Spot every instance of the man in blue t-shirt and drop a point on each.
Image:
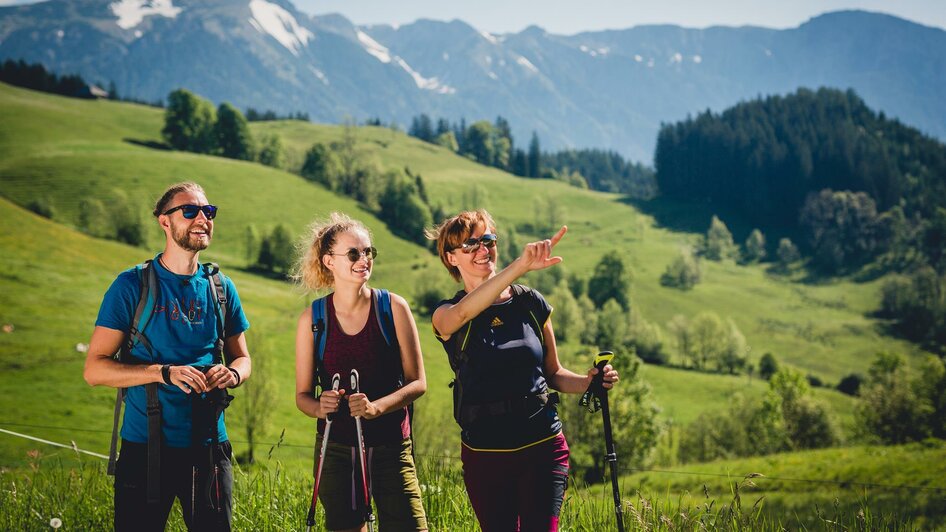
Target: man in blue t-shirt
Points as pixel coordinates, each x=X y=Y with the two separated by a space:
x=177 y=357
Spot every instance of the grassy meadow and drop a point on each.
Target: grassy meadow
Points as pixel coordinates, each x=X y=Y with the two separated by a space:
x=52 y=278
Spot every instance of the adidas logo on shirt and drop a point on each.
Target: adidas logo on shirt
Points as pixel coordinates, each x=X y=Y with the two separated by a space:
x=496 y=322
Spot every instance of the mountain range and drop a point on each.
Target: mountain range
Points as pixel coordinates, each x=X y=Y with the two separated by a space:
x=604 y=89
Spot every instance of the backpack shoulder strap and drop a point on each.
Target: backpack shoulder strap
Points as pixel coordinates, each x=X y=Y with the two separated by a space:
x=385 y=315
x=525 y=297
x=147 y=287
x=220 y=303
x=458 y=356
x=319 y=334
x=147 y=290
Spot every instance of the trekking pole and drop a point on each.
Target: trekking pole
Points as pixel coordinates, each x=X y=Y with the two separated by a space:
x=310 y=519
x=355 y=388
x=595 y=397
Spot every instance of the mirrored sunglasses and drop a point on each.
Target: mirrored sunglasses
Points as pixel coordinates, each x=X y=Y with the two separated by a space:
x=190 y=211
x=472 y=245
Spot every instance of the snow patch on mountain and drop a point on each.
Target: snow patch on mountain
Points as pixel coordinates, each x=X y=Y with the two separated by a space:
x=595 y=52
x=271 y=19
x=527 y=64
x=130 y=13
x=430 y=84
x=374 y=48
x=319 y=74
x=489 y=37
x=382 y=53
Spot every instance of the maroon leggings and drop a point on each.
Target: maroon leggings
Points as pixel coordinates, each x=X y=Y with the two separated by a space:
x=517 y=490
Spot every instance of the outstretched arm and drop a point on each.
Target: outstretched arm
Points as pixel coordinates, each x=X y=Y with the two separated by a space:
x=448 y=319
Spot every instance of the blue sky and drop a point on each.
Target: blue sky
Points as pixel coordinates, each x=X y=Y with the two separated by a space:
x=570 y=16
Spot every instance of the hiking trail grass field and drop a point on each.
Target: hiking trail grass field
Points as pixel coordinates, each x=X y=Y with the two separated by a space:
x=52 y=277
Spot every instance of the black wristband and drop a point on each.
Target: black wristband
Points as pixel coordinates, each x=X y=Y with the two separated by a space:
x=237 y=375
x=166 y=374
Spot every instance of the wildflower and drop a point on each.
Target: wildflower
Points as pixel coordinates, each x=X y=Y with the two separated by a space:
x=55 y=522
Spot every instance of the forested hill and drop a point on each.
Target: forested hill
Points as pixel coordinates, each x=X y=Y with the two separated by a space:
x=763 y=158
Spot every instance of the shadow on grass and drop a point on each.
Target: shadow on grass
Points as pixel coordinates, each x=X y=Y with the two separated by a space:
x=152 y=144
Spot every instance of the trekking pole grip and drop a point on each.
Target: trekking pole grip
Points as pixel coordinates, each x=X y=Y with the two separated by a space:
x=596 y=391
x=601 y=360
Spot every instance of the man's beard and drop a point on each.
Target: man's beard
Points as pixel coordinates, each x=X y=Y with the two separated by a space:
x=184 y=239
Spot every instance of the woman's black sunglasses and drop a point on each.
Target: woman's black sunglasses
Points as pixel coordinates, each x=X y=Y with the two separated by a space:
x=190 y=211
x=472 y=245
x=353 y=254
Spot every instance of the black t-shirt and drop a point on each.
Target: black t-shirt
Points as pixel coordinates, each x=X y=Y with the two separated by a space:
x=506 y=360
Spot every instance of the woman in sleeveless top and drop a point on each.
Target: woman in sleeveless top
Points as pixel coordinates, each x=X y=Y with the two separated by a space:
x=339 y=255
x=499 y=338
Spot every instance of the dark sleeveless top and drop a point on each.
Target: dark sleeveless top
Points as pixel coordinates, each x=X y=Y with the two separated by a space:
x=506 y=360
x=379 y=368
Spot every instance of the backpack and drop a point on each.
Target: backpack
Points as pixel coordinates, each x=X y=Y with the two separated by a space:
x=144 y=310
x=524 y=297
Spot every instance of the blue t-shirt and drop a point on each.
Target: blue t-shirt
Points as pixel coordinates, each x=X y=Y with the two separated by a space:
x=506 y=361
x=182 y=331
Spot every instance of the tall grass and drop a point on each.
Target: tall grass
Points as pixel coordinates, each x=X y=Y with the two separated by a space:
x=267 y=497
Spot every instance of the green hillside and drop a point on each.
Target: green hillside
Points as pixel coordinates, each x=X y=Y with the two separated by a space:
x=898 y=480
x=63 y=150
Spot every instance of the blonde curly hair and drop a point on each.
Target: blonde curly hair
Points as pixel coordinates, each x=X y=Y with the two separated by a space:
x=310 y=272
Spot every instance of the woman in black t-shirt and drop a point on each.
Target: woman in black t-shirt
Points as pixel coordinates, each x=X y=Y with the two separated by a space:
x=501 y=345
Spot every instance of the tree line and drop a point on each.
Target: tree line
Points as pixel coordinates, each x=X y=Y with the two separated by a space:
x=859 y=191
x=253 y=115
x=856 y=184
x=36 y=77
x=191 y=123
x=492 y=144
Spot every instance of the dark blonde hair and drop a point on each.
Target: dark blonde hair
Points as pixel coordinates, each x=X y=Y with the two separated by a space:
x=310 y=272
x=174 y=190
x=453 y=231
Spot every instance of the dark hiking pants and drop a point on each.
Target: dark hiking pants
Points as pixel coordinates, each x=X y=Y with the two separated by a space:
x=205 y=490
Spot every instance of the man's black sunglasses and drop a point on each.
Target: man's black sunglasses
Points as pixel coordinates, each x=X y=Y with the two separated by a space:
x=190 y=211
x=353 y=254
x=472 y=245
